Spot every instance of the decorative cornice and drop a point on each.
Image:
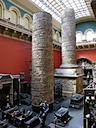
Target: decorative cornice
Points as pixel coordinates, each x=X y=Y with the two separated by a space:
x=17 y=5
x=18 y=32
x=55 y=47
x=87 y=45
x=13 y=31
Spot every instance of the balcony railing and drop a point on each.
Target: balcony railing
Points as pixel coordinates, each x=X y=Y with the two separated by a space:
x=86 y=45
x=16 y=27
x=85 y=42
x=56 y=42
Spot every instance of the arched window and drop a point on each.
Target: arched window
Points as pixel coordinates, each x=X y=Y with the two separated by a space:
x=60 y=40
x=1 y=9
x=58 y=35
x=55 y=36
x=78 y=37
x=27 y=21
x=14 y=17
x=94 y=36
x=89 y=35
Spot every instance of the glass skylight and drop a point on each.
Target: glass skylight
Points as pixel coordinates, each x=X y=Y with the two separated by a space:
x=82 y=8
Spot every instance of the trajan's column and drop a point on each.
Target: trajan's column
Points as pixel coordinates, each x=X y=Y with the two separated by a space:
x=69 y=72
x=42 y=60
x=68 y=38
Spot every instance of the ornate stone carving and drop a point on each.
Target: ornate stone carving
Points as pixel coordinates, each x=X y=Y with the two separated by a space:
x=42 y=59
x=68 y=37
x=69 y=72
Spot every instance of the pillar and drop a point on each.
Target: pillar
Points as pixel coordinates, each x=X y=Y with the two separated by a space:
x=94 y=74
x=68 y=37
x=42 y=60
x=72 y=80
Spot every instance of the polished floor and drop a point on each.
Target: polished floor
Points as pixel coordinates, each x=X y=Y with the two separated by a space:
x=77 y=114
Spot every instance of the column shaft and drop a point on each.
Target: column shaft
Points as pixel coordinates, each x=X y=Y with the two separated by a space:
x=42 y=59
x=72 y=81
x=68 y=37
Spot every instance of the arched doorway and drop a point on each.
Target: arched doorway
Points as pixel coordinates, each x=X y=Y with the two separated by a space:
x=86 y=65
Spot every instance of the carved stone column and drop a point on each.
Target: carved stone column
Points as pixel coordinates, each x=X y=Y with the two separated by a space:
x=68 y=38
x=42 y=60
x=94 y=74
x=72 y=83
x=69 y=73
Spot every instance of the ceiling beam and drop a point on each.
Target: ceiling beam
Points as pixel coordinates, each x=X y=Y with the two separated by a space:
x=93 y=5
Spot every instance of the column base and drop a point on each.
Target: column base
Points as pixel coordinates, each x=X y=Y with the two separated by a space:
x=67 y=93
x=37 y=108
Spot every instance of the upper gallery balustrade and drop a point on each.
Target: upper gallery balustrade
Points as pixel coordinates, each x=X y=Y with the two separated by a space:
x=6 y=23
x=56 y=37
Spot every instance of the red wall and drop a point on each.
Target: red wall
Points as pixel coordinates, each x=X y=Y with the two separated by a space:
x=15 y=57
x=57 y=58
x=88 y=54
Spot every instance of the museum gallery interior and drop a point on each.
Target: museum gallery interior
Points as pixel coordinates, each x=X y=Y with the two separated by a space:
x=47 y=63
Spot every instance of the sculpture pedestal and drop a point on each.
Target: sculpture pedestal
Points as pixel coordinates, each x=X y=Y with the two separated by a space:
x=71 y=78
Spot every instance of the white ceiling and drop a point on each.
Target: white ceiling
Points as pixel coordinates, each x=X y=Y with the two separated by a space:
x=82 y=8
